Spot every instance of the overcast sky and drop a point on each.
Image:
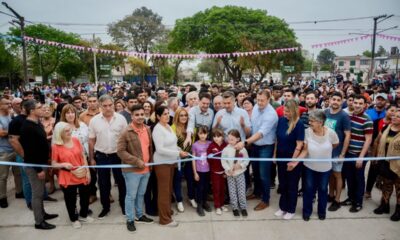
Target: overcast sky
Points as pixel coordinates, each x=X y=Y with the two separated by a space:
x=106 y=11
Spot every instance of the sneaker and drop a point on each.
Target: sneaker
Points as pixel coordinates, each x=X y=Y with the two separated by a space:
x=103 y=213
x=200 y=211
x=244 y=213
x=144 y=219
x=355 y=208
x=224 y=209
x=206 y=207
x=306 y=218
x=218 y=211
x=279 y=213
x=180 y=207
x=193 y=203
x=86 y=219
x=3 y=203
x=76 y=224
x=236 y=213
x=130 y=225
x=171 y=224
x=288 y=216
x=346 y=202
x=334 y=206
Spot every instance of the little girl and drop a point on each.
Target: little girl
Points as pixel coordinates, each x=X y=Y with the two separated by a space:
x=216 y=170
x=234 y=169
x=201 y=170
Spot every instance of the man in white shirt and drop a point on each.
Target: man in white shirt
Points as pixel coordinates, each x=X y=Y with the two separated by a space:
x=104 y=131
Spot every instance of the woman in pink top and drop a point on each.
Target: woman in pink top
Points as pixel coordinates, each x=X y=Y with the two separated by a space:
x=67 y=154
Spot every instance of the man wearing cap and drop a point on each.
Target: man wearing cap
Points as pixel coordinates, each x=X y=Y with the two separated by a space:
x=376 y=114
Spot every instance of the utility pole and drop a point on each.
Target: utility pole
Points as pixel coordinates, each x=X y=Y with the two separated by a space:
x=372 y=70
x=94 y=61
x=21 y=23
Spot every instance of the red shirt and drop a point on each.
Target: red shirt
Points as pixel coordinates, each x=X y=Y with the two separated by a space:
x=74 y=155
x=215 y=164
x=280 y=110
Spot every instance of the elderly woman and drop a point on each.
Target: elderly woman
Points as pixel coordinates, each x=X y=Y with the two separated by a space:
x=318 y=144
x=167 y=149
x=67 y=155
x=388 y=142
x=289 y=143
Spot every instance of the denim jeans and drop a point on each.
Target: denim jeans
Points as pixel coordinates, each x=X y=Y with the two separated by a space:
x=188 y=172
x=177 y=185
x=315 y=181
x=136 y=185
x=355 y=180
x=26 y=186
x=264 y=169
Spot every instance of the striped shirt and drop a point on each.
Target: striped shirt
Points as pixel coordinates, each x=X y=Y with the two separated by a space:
x=361 y=124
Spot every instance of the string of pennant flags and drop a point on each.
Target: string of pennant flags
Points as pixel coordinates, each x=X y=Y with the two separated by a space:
x=158 y=55
x=355 y=39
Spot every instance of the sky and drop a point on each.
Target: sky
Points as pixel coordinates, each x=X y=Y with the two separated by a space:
x=103 y=12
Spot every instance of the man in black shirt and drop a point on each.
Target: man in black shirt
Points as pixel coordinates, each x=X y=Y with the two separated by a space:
x=36 y=150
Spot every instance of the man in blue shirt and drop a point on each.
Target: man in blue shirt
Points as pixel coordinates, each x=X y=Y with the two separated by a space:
x=264 y=121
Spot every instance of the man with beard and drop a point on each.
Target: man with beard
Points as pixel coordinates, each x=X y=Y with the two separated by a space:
x=311 y=104
x=339 y=121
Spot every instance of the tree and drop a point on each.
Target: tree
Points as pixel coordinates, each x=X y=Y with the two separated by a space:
x=44 y=59
x=139 y=31
x=381 y=52
x=10 y=65
x=70 y=69
x=367 y=53
x=234 y=29
x=326 y=57
x=214 y=68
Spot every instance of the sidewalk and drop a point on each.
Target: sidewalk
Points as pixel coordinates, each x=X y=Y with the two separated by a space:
x=16 y=222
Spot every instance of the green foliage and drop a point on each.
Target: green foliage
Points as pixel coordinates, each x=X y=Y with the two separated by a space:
x=367 y=53
x=213 y=67
x=235 y=29
x=381 y=52
x=139 y=31
x=70 y=69
x=326 y=57
x=43 y=59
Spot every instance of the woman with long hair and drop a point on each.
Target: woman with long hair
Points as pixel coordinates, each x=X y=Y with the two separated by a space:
x=179 y=126
x=289 y=144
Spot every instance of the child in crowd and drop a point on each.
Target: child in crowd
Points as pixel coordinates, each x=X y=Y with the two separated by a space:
x=201 y=170
x=216 y=170
x=234 y=169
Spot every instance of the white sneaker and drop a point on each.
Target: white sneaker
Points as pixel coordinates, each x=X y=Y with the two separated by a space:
x=193 y=202
x=180 y=207
x=288 y=216
x=86 y=219
x=76 y=224
x=279 y=213
x=171 y=224
x=218 y=211
x=224 y=209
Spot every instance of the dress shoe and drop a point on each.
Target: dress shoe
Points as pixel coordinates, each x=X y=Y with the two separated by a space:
x=207 y=207
x=19 y=195
x=50 y=199
x=49 y=216
x=261 y=206
x=3 y=203
x=44 y=226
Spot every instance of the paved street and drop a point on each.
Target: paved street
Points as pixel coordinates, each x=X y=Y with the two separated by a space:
x=16 y=222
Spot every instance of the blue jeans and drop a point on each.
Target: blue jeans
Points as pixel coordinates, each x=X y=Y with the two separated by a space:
x=188 y=172
x=315 y=181
x=136 y=185
x=264 y=169
x=177 y=185
x=355 y=180
x=26 y=186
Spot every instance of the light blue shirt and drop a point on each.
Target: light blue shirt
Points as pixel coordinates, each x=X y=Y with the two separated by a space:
x=232 y=121
x=265 y=122
x=197 y=118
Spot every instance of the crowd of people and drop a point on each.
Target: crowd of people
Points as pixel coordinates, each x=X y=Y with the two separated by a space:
x=204 y=138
